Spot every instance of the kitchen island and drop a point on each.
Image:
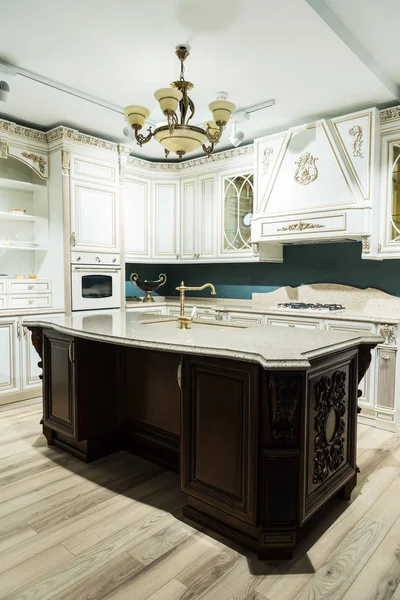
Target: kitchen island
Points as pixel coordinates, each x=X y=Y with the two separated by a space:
x=260 y=423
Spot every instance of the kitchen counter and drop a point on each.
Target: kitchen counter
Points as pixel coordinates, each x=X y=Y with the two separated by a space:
x=259 y=422
x=270 y=348
x=371 y=314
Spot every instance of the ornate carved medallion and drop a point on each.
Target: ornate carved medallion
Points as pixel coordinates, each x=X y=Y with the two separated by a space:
x=306 y=171
x=65 y=162
x=357 y=133
x=329 y=425
x=285 y=394
x=266 y=161
x=387 y=331
x=3 y=149
x=366 y=244
x=36 y=159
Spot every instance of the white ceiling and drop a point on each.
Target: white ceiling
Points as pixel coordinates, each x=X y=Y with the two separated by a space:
x=122 y=51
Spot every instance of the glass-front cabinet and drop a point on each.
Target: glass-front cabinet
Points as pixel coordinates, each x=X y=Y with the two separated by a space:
x=237 y=208
x=395 y=172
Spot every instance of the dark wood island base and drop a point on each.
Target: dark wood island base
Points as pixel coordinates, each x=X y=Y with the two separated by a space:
x=259 y=451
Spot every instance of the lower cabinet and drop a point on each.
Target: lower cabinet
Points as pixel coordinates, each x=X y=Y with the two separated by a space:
x=9 y=357
x=220 y=470
x=290 y=322
x=247 y=318
x=60 y=401
x=19 y=370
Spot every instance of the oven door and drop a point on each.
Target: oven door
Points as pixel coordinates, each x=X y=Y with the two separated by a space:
x=95 y=287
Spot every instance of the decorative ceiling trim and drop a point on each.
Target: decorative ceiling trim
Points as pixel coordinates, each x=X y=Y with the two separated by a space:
x=26 y=132
x=389 y=114
x=65 y=133
x=194 y=162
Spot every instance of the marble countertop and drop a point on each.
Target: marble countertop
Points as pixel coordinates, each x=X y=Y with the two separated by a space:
x=374 y=314
x=277 y=348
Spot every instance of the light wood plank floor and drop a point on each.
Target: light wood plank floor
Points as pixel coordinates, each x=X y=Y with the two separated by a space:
x=113 y=529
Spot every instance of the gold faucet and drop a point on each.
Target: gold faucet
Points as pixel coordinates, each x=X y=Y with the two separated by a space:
x=184 y=322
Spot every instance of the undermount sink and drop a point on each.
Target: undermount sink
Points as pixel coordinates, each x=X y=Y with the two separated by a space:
x=195 y=323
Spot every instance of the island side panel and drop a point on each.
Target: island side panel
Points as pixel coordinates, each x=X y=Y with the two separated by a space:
x=330 y=437
x=152 y=404
x=82 y=395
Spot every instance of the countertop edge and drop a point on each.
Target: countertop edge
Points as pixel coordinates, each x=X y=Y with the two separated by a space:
x=203 y=350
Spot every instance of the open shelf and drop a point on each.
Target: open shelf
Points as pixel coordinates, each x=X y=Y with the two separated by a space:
x=20 y=185
x=16 y=247
x=9 y=216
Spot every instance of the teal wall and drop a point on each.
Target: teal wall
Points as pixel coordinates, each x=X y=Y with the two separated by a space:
x=313 y=263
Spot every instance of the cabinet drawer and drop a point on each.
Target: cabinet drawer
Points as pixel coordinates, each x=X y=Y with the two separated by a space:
x=2 y=286
x=247 y=318
x=302 y=324
x=29 y=287
x=298 y=227
x=2 y=301
x=24 y=301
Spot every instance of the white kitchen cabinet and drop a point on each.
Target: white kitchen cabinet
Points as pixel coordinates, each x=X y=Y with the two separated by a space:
x=10 y=331
x=154 y=310
x=94 y=217
x=236 y=211
x=30 y=371
x=366 y=385
x=165 y=217
x=198 y=231
x=389 y=229
x=137 y=219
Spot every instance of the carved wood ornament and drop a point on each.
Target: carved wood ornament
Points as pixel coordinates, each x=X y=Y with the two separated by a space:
x=329 y=449
x=37 y=343
x=285 y=394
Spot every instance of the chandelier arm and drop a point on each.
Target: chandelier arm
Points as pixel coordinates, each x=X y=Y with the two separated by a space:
x=214 y=137
x=208 y=149
x=139 y=137
x=172 y=121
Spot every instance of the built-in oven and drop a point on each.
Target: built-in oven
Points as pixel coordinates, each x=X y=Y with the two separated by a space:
x=95 y=281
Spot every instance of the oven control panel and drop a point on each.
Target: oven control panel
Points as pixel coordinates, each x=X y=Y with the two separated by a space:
x=94 y=258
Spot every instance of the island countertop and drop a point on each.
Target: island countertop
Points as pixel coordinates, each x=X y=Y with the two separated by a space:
x=277 y=348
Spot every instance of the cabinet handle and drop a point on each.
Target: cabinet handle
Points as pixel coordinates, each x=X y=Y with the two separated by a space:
x=70 y=352
x=179 y=375
x=177 y=255
x=31 y=301
x=73 y=238
x=386 y=357
x=291 y=325
x=30 y=287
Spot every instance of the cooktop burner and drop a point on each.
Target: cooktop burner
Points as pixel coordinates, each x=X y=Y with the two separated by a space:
x=310 y=306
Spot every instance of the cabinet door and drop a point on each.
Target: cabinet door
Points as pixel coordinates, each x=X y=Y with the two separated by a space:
x=207 y=218
x=237 y=212
x=9 y=356
x=218 y=443
x=94 y=217
x=189 y=220
x=290 y=322
x=247 y=318
x=30 y=358
x=386 y=373
x=60 y=402
x=166 y=222
x=136 y=219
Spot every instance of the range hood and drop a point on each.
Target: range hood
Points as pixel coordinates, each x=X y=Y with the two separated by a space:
x=317 y=182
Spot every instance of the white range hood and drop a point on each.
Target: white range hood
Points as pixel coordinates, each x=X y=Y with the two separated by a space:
x=317 y=182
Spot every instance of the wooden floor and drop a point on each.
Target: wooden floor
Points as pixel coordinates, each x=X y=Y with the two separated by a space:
x=113 y=529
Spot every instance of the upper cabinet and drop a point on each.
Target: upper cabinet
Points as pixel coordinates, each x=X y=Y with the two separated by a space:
x=94 y=217
x=136 y=202
x=94 y=210
x=388 y=238
x=165 y=219
x=237 y=213
x=317 y=181
x=198 y=210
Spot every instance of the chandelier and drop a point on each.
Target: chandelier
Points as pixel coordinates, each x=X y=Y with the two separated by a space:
x=178 y=136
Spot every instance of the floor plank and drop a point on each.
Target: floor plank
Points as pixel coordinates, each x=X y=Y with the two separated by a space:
x=381 y=575
x=114 y=530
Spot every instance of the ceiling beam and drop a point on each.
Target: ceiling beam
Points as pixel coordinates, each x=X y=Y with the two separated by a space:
x=354 y=45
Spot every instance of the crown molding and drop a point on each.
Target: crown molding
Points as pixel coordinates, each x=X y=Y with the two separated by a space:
x=194 y=162
x=389 y=114
x=25 y=132
x=72 y=135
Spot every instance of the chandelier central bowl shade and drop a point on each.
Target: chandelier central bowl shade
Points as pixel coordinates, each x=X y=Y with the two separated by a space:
x=178 y=136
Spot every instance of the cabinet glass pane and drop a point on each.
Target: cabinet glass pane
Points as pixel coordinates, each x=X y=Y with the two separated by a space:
x=238 y=209
x=395 y=233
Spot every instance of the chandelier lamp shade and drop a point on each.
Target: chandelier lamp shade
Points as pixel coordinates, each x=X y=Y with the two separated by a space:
x=178 y=135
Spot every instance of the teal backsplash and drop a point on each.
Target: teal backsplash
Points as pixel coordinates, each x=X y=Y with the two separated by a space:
x=303 y=264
